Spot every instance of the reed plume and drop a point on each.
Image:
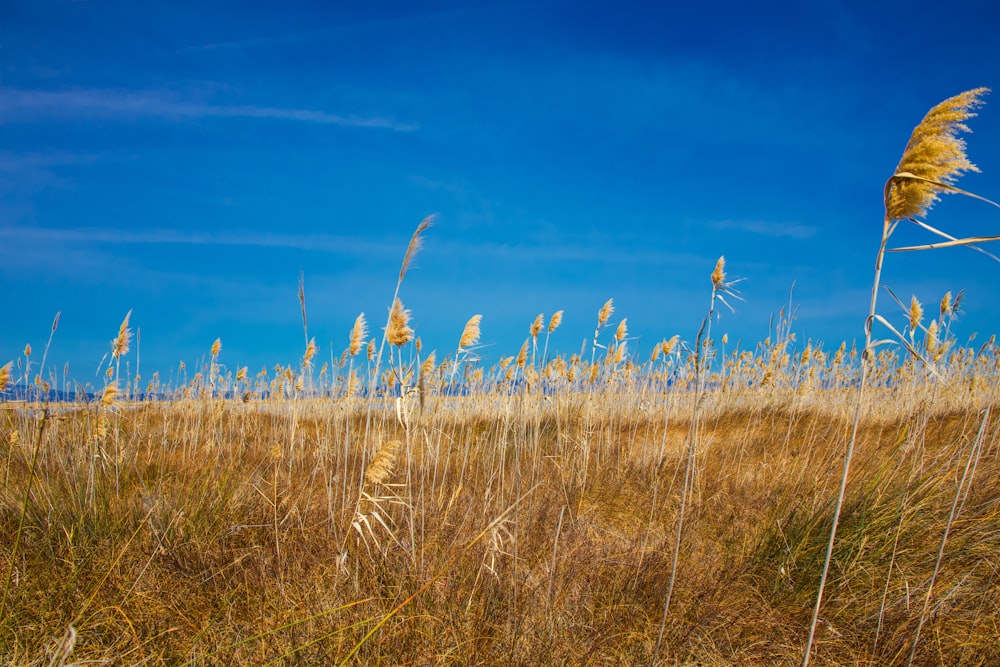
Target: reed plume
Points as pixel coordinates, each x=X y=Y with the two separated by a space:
x=398 y=332
x=382 y=464
x=934 y=157
x=607 y=310
x=719 y=273
x=109 y=394
x=120 y=345
x=311 y=349
x=470 y=334
x=5 y=374
x=536 y=326
x=416 y=243
x=358 y=334
x=216 y=347
x=555 y=321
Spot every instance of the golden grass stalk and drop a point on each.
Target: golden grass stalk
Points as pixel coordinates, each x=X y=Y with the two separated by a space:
x=358 y=334
x=470 y=334
x=398 y=332
x=383 y=462
x=934 y=157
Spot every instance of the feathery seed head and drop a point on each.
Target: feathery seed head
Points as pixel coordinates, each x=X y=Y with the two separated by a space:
x=719 y=273
x=358 y=334
x=916 y=313
x=371 y=350
x=555 y=321
x=382 y=463
x=668 y=345
x=216 y=347
x=470 y=334
x=945 y=304
x=311 y=349
x=427 y=367
x=536 y=326
x=932 y=337
x=119 y=346
x=27 y=350
x=241 y=374
x=109 y=394
x=934 y=157
x=5 y=374
x=522 y=356
x=416 y=242
x=398 y=332
x=622 y=330
x=606 y=311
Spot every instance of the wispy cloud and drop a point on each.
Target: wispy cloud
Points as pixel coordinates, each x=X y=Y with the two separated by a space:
x=792 y=230
x=16 y=104
x=316 y=242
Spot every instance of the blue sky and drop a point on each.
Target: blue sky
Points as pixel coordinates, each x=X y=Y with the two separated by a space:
x=187 y=161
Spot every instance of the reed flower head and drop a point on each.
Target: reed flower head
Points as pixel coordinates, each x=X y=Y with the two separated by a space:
x=719 y=274
x=119 y=346
x=916 y=313
x=522 y=355
x=470 y=334
x=622 y=330
x=216 y=347
x=382 y=463
x=555 y=321
x=536 y=326
x=5 y=374
x=311 y=349
x=358 y=334
x=934 y=157
x=607 y=310
x=398 y=332
x=109 y=394
x=945 y=304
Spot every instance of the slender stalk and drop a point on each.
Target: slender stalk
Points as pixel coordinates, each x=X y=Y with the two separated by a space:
x=867 y=359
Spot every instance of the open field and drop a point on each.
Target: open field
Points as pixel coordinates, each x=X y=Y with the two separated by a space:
x=769 y=505
x=511 y=525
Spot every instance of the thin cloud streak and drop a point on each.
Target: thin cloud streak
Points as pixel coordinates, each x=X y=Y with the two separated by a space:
x=314 y=242
x=792 y=230
x=29 y=104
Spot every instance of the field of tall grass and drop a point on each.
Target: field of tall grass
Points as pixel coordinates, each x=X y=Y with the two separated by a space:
x=779 y=504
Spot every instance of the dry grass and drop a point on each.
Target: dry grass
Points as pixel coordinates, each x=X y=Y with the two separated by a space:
x=229 y=537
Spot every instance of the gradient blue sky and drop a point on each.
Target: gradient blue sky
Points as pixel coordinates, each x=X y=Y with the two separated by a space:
x=186 y=160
